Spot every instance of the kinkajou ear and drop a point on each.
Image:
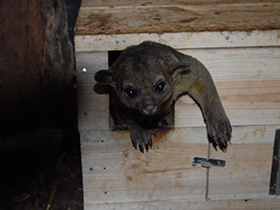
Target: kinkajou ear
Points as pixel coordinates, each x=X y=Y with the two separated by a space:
x=104 y=77
x=184 y=67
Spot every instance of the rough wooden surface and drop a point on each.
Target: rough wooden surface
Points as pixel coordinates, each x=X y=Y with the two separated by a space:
x=247 y=79
x=117 y=176
x=110 y=3
x=93 y=108
x=184 y=40
x=179 y=16
x=239 y=44
x=115 y=173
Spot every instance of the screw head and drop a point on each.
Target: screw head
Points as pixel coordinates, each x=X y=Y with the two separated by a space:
x=84 y=70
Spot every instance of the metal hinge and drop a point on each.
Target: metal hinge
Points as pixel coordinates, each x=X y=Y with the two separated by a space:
x=205 y=162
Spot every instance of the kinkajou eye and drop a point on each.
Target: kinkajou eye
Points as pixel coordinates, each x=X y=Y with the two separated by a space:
x=160 y=87
x=130 y=92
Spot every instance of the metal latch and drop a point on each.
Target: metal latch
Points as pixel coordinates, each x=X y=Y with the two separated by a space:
x=208 y=162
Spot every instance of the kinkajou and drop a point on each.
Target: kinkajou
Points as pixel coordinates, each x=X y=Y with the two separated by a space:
x=147 y=79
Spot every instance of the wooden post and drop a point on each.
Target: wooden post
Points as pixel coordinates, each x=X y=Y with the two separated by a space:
x=36 y=62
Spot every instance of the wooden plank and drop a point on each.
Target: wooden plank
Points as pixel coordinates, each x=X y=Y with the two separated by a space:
x=240 y=64
x=245 y=67
x=247 y=171
x=246 y=103
x=248 y=81
x=183 y=40
x=262 y=204
x=178 y=18
x=247 y=135
x=110 y=3
x=236 y=64
x=246 y=175
x=114 y=172
x=93 y=108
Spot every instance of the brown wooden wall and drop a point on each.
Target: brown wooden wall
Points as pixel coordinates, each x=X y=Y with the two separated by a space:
x=245 y=66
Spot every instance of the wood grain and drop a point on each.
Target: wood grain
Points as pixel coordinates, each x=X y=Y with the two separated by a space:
x=239 y=44
x=182 y=40
x=114 y=172
x=93 y=109
x=247 y=79
x=135 y=3
x=246 y=175
x=185 y=17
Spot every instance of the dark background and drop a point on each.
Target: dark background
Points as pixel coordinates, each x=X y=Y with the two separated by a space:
x=40 y=163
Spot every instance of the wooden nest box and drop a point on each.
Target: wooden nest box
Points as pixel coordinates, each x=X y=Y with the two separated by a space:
x=239 y=43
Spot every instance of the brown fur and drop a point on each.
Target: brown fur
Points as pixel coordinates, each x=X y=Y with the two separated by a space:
x=146 y=81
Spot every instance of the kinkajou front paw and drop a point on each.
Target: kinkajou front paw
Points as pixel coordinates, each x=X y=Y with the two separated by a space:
x=142 y=138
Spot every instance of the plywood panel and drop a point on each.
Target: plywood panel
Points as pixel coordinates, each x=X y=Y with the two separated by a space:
x=247 y=172
x=118 y=176
x=239 y=64
x=246 y=176
x=178 y=18
x=93 y=108
x=114 y=172
x=236 y=64
x=248 y=81
x=244 y=62
x=183 y=40
x=110 y=3
x=245 y=102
